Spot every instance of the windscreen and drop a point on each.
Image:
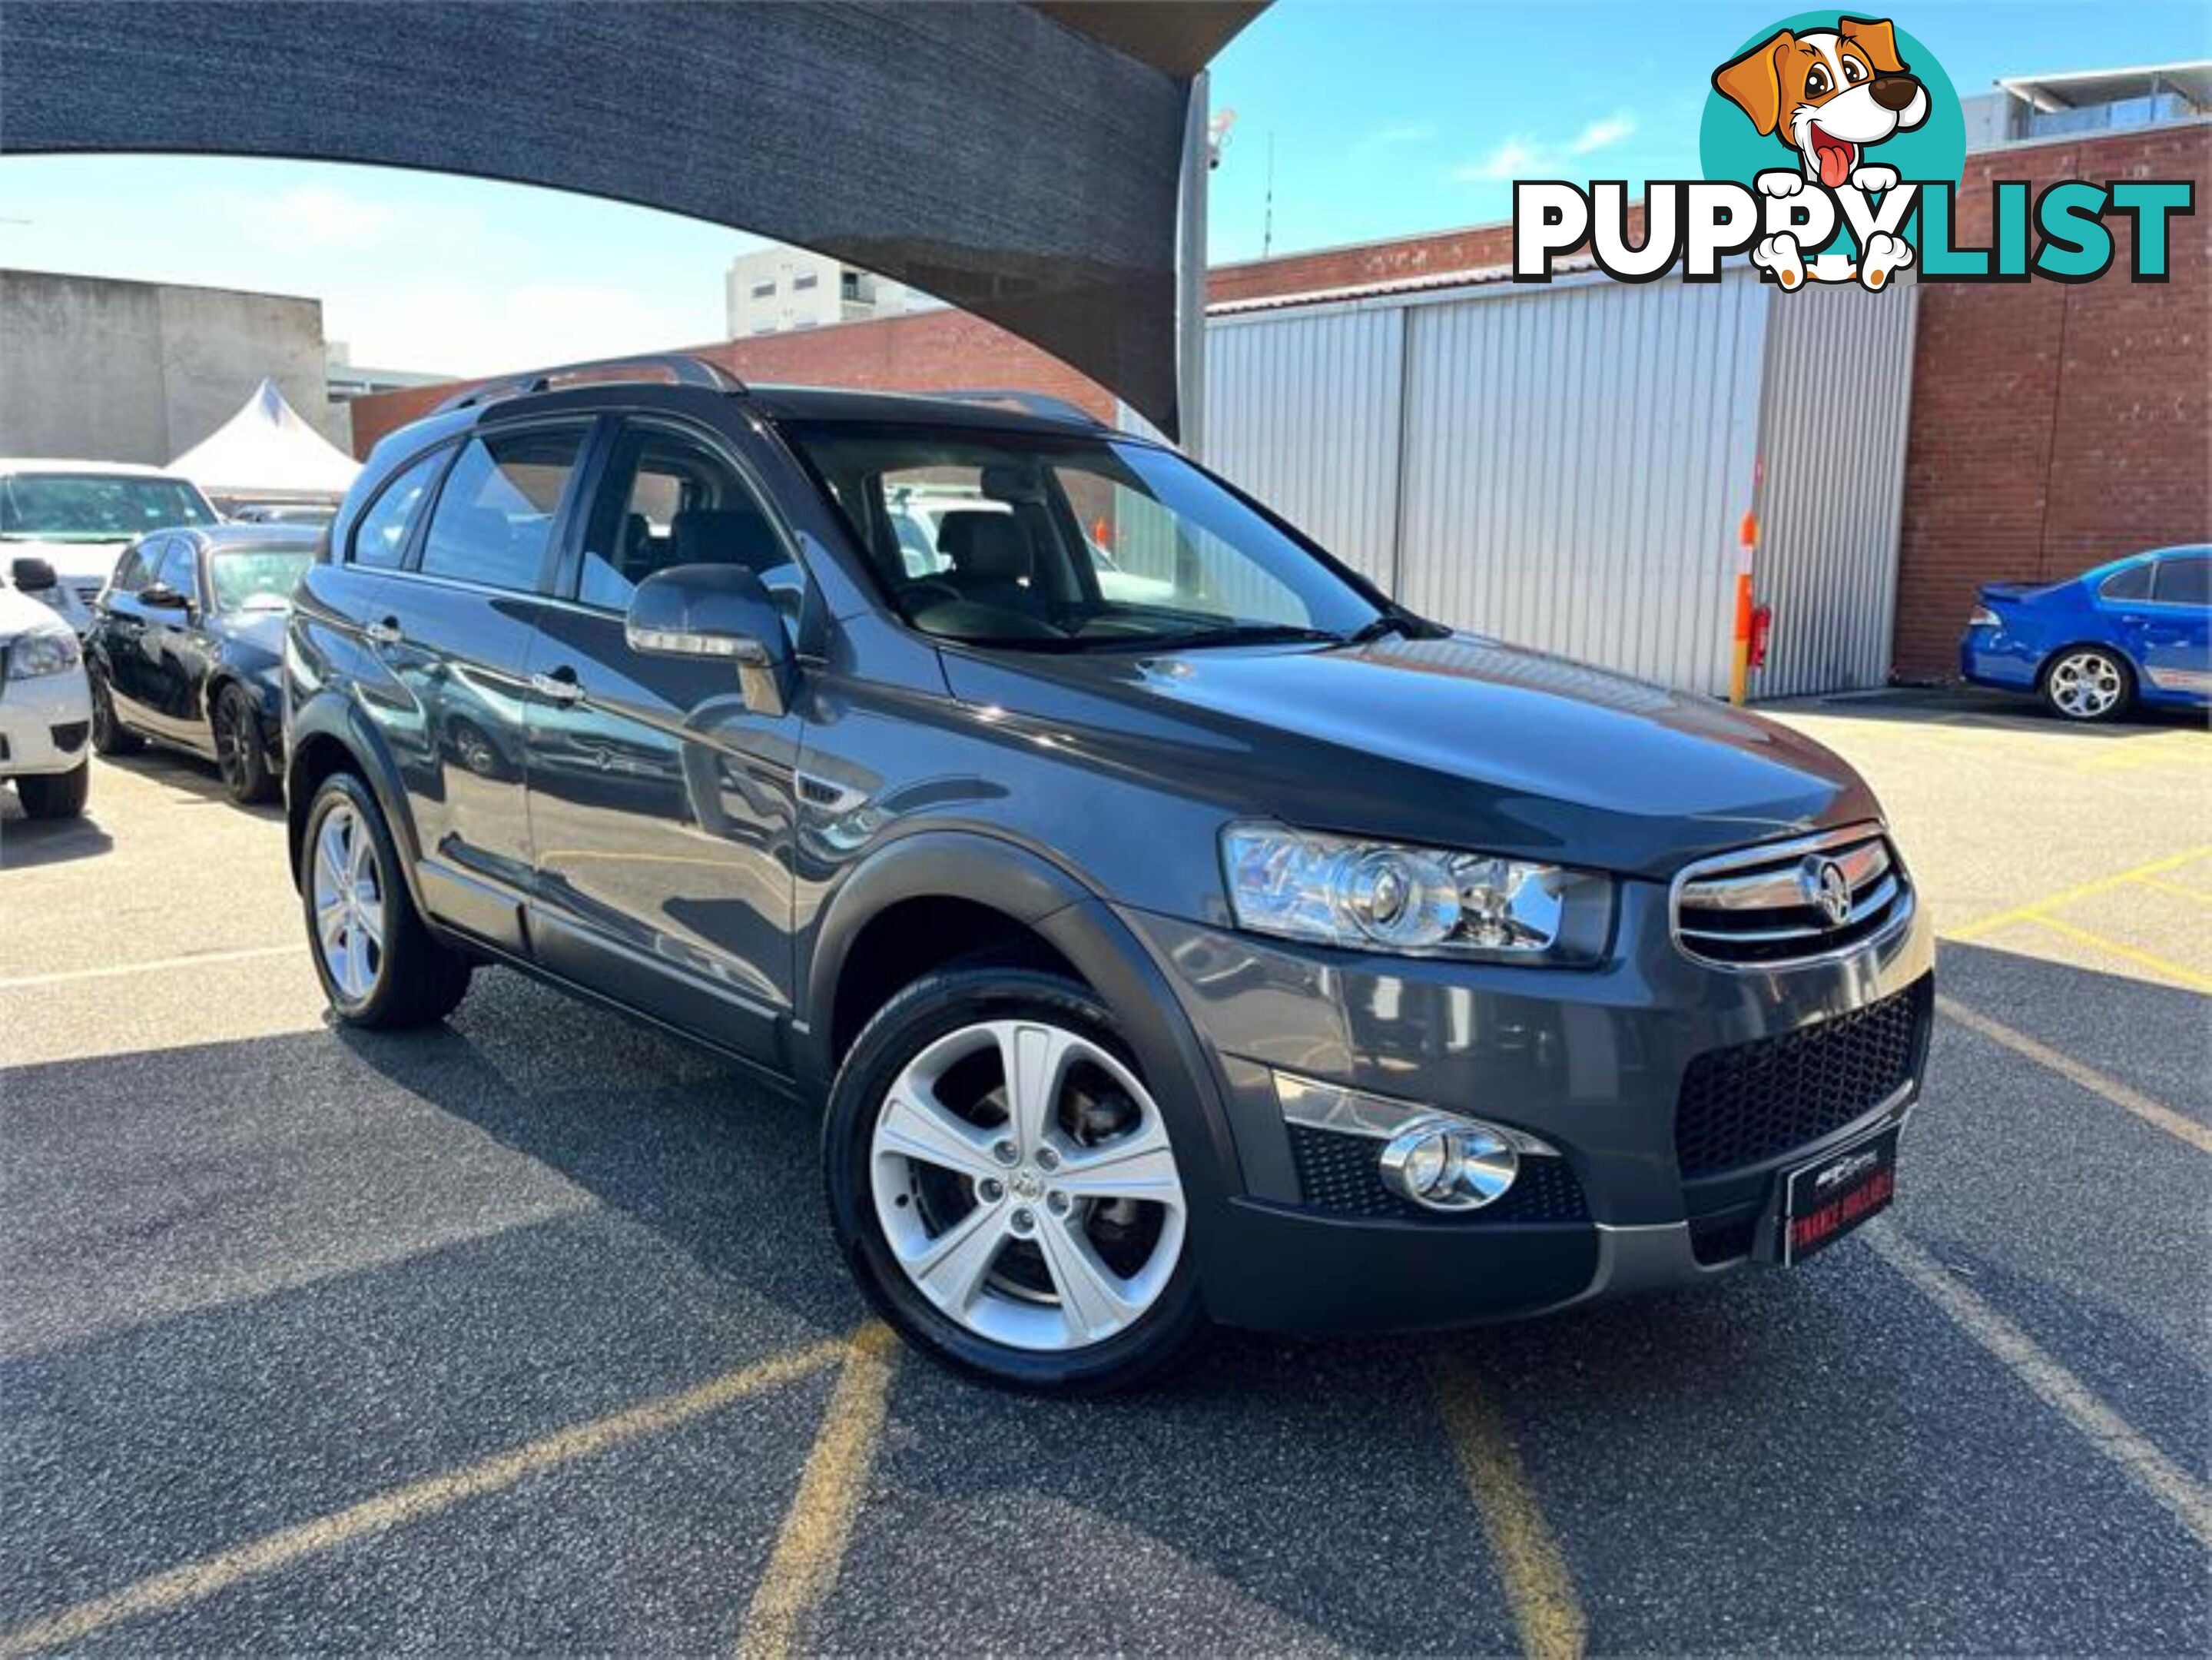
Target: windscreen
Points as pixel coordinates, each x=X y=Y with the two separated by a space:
x=90 y=506
x=256 y=579
x=1050 y=542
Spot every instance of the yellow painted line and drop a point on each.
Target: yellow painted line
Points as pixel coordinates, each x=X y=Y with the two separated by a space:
x=156 y=966
x=2178 y=1125
x=2034 y=911
x=196 y=1581
x=1538 y=1587
x=2187 y=976
x=810 y=1548
x=2138 y=1459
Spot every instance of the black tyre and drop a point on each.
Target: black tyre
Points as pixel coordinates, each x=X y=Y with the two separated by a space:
x=240 y=753
x=109 y=735
x=379 y=965
x=1004 y=1188
x=2088 y=684
x=56 y=795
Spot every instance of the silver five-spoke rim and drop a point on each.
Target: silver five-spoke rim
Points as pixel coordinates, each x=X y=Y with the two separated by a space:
x=349 y=904
x=1024 y=1182
x=2086 y=684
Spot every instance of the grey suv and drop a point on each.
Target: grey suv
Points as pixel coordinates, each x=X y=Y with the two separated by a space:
x=1176 y=929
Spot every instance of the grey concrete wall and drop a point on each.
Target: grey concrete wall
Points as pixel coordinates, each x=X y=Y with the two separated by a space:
x=116 y=371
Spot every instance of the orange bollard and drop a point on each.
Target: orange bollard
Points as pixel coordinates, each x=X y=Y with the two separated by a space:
x=1740 y=666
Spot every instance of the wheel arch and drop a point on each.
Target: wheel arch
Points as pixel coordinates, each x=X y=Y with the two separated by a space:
x=980 y=889
x=2118 y=653
x=327 y=735
x=1057 y=911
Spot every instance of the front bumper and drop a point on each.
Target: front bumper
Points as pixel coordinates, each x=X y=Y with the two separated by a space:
x=1596 y=1063
x=45 y=724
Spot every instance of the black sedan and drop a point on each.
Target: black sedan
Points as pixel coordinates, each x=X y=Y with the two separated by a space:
x=185 y=643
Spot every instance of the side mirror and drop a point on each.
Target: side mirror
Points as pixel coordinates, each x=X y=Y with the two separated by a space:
x=32 y=575
x=717 y=610
x=162 y=595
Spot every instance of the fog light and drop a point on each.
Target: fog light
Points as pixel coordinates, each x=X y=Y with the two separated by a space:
x=1449 y=1163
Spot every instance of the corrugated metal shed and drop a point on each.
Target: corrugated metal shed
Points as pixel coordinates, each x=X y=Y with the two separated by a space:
x=1305 y=410
x=1565 y=466
x=1838 y=392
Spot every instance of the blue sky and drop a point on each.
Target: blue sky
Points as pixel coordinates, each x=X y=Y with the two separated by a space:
x=1388 y=118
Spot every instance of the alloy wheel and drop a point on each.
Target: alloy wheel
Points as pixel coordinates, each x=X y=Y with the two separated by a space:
x=2086 y=684
x=1022 y=1178
x=229 y=742
x=103 y=715
x=350 y=904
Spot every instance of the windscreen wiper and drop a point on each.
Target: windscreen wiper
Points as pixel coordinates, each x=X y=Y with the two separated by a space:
x=1396 y=621
x=1244 y=634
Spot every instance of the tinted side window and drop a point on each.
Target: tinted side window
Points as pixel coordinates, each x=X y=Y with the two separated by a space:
x=380 y=540
x=180 y=568
x=672 y=499
x=2184 y=582
x=2133 y=583
x=137 y=567
x=494 y=520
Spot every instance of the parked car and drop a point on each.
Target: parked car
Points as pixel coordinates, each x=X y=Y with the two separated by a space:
x=281 y=513
x=46 y=712
x=1260 y=954
x=78 y=515
x=2138 y=630
x=184 y=648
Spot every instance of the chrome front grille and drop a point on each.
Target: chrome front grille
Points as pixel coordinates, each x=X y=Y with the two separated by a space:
x=1790 y=901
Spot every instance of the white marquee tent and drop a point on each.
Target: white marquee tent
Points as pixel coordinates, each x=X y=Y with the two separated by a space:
x=268 y=451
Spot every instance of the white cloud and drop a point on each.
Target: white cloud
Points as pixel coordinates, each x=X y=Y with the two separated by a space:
x=1525 y=156
x=1604 y=134
x=1515 y=158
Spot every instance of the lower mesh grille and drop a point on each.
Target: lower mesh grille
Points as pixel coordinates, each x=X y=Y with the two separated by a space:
x=1755 y=1102
x=1342 y=1173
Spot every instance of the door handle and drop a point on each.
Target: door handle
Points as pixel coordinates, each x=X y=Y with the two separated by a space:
x=386 y=633
x=558 y=687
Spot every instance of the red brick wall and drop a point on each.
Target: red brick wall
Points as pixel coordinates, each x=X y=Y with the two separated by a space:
x=1407 y=259
x=944 y=350
x=938 y=351
x=2054 y=426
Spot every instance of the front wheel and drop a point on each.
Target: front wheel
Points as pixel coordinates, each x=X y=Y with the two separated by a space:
x=56 y=795
x=2088 y=684
x=1003 y=1185
x=380 y=966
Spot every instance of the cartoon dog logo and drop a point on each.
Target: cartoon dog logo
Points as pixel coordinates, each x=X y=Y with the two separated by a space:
x=1828 y=96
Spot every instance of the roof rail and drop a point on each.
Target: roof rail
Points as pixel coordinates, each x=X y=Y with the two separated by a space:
x=681 y=369
x=1035 y=402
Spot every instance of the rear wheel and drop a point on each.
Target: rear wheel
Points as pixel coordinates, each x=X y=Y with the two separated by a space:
x=2088 y=683
x=109 y=735
x=56 y=795
x=379 y=965
x=1004 y=1186
x=239 y=752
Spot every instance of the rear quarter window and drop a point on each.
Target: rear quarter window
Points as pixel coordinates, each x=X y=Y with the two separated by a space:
x=2133 y=583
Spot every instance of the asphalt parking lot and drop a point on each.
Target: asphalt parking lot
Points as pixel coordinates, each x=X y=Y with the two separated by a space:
x=528 y=1334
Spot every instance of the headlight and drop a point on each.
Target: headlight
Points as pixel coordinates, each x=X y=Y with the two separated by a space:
x=1982 y=617
x=35 y=655
x=1335 y=891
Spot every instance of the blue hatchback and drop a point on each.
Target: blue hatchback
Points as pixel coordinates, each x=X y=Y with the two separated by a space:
x=2138 y=630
